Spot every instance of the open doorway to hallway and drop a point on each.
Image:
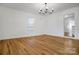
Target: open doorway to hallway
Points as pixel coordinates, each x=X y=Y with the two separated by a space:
x=69 y=25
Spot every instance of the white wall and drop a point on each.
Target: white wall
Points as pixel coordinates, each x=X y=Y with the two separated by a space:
x=14 y=23
x=55 y=22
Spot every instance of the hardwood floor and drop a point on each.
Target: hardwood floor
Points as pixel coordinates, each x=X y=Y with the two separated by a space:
x=39 y=45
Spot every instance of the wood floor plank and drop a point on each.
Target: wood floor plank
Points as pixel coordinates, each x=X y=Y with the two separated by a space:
x=39 y=45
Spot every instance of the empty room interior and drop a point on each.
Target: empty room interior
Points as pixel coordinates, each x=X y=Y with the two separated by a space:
x=39 y=28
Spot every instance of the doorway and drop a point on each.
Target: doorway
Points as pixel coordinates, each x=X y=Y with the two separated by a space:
x=69 y=25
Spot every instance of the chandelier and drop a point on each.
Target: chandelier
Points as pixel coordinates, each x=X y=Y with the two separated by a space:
x=45 y=10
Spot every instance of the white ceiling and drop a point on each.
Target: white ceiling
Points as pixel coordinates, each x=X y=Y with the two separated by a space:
x=34 y=7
